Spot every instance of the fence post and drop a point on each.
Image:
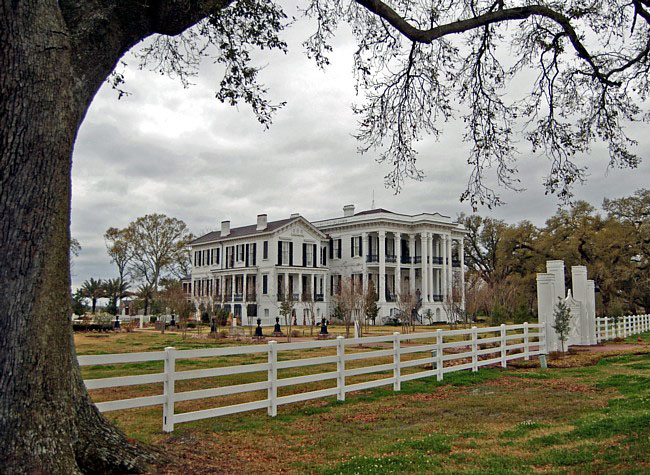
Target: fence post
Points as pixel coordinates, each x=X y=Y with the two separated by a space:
x=439 y=363
x=606 y=329
x=340 y=367
x=273 y=379
x=503 y=345
x=474 y=350
x=168 y=389
x=397 y=385
x=526 y=342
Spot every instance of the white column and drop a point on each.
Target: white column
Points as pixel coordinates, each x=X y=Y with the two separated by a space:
x=313 y=287
x=462 y=271
x=591 y=311
x=286 y=285
x=364 y=262
x=424 y=239
x=443 y=248
x=382 y=267
x=300 y=288
x=398 y=258
x=430 y=268
x=232 y=291
x=450 y=268
x=244 y=307
x=244 y=289
x=412 y=265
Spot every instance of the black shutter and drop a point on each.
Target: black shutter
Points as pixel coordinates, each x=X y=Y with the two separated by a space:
x=314 y=254
x=291 y=253
x=279 y=253
x=304 y=254
x=331 y=285
x=360 y=246
x=265 y=284
x=217 y=261
x=247 y=249
x=352 y=246
x=254 y=253
x=265 y=250
x=331 y=244
x=340 y=245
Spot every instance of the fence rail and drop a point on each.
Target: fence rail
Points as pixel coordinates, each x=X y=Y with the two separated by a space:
x=608 y=328
x=510 y=342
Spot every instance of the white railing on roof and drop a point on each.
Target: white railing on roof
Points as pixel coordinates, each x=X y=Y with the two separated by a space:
x=500 y=345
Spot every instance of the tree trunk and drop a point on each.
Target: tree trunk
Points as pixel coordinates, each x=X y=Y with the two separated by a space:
x=47 y=422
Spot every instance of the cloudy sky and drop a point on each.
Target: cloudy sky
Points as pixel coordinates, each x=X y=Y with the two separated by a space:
x=166 y=149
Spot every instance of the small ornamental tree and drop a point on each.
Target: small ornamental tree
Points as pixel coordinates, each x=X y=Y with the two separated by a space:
x=562 y=325
x=286 y=310
x=370 y=309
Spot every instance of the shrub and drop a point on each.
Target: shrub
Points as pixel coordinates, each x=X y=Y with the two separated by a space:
x=295 y=333
x=205 y=317
x=191 y=325
x=498 y=315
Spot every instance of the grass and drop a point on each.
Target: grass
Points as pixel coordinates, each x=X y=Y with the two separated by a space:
x=592 y=419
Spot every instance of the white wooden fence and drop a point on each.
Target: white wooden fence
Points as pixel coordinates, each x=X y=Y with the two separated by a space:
x=608 y=328
x=482 y=346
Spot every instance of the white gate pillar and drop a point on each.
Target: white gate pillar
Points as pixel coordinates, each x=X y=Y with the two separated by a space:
x=545 y=304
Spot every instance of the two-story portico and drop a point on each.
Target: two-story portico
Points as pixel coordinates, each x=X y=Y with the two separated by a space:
x=401 y=254
x=249 y=270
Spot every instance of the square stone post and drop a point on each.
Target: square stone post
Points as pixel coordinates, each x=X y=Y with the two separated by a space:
x=591 y=311
x=430 y=268
x=450 y=269
x=546 y=300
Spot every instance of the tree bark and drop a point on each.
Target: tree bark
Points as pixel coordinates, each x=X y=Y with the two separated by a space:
x=54 y=56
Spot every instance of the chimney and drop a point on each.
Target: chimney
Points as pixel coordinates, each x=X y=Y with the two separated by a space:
x=225 y=228
x=348 y=210
x=294 y=215
x=261 y=222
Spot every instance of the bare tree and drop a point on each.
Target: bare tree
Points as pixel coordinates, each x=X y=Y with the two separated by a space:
x=287 y=309
x=406 y=303
x=350 y=299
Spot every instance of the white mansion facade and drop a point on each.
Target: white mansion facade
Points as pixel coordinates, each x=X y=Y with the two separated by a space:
x=249 y=270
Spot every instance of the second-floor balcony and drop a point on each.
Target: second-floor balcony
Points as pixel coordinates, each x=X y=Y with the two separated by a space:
x=417 y=260
x=455 y=263
x=405 y=259
x=372 y=258
x=437 y=298
x=307 y=297
x=390 y=297
x=238 y=297
x=436 y=260
x=391 y=258
x=319 y=297
x=251 y=297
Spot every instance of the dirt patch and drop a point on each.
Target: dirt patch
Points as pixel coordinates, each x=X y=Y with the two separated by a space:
x=362 y=418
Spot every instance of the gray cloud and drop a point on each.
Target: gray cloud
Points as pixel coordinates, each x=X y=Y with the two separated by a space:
x=180 y=152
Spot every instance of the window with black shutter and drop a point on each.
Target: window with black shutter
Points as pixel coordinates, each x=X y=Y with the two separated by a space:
x=360 y=246
x=331 y=244
x=265 y=250
x=218 y=256
x=265 y=284
x=247 y=249
x=254 y=253
x=339 y=253
x=314 y=255
x=352 y=246
x=291 y=253
x=304 y=254
x=279 y=253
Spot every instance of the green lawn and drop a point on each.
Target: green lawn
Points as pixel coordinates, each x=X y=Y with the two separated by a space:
x=588 y=419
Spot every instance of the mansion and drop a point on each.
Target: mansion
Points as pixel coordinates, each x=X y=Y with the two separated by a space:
x=250 y=270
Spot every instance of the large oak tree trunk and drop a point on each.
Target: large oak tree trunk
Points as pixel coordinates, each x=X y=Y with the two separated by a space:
x=47 y=422
x=54 y=56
